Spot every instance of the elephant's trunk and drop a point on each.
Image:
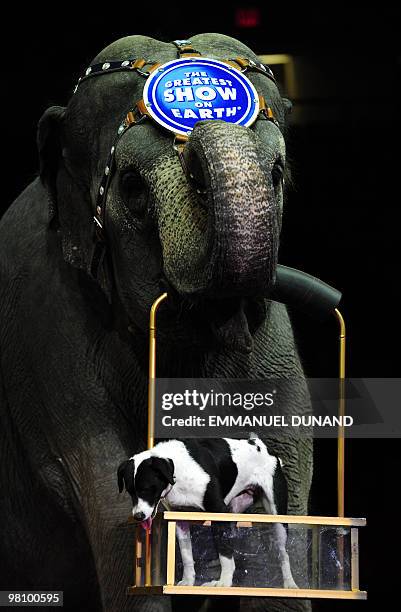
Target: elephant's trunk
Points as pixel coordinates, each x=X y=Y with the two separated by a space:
x=230 y=165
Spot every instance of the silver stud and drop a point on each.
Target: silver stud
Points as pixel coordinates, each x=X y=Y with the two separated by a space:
x=88 y=71
x=107 y=170
x=101 y=190
x=125 y=63
x=120 y=129
x=106 y=66
x=99 y=210
x=75 y=88
x=112 y=150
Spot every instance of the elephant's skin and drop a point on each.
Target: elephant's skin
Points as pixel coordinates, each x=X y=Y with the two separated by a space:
x=73 y=347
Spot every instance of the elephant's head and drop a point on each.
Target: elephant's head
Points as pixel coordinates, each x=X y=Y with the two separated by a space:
x=206 y=229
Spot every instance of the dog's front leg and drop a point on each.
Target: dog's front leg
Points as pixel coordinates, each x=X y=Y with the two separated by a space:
x=222 y=535
x=185 y=544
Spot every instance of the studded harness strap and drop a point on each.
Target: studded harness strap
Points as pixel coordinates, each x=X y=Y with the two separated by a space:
x=139 y=112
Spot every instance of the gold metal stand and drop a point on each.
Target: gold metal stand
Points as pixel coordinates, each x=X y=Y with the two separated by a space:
x=152 y=369
x=151 y=418
x=341 y=443
x=138 y=556
x=171 y=518
x=341 y=411
x=248 y=520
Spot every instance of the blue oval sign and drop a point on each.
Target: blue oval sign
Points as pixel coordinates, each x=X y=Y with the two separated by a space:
x=182 y=92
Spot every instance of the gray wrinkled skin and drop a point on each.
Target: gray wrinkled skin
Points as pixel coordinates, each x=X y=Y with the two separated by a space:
x=73 y=390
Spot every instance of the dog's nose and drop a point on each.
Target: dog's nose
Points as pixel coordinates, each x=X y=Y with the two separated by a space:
x=139 y=516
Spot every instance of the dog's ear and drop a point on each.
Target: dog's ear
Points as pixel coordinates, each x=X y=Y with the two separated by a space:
x=165 y=467
x=125 y=475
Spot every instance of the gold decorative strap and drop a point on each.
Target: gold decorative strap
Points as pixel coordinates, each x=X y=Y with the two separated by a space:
x=185 y=48
x=265 y=110
x=180 y=140
x=142 y=107
x=242 y=61
x=154 y=67
x=138 y=64
x=232 y=64
x=188 y=51
x=262 y=103
x=130 y=118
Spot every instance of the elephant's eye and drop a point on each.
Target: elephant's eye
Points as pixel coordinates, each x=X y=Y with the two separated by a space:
x=277 y=174
x=134 y=192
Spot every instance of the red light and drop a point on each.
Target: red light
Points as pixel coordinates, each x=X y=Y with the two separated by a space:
x=247 y=17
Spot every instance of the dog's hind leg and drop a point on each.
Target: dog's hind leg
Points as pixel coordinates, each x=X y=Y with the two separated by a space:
x=185 y=544
x=281 y=541
x=280 y=537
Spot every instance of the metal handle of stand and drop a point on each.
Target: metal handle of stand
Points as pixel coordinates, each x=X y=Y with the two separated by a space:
x=152 y=369
x=341 y=411
x=341 y=442
x=151 y=417
x=151 y=410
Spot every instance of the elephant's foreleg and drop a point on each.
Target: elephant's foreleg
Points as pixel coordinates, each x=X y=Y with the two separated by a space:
x=105 y=516
x=185 y=544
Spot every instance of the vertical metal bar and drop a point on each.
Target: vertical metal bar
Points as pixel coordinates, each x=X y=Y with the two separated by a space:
x=341 y=443
x=156 y=549
x=148 y=558
x=151 y=417
x=152 y=369
x=354 y=560
x=171 y=553
x=138 y=557
x=341 y=412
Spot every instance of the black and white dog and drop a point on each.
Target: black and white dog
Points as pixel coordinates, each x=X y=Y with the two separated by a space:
x=214 y=475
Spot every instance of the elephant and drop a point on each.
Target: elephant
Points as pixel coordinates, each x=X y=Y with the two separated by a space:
x=74 y=336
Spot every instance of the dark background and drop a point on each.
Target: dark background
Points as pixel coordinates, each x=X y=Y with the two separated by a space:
x=342 y=215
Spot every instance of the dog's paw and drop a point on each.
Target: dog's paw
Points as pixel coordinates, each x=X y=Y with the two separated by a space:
x=224 y=583
x=186 y=581
x=290 y=584
x=218 y=583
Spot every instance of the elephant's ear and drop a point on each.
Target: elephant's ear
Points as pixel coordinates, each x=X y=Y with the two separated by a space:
x=75 y=219
x=49 y=147
x=287 y=106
